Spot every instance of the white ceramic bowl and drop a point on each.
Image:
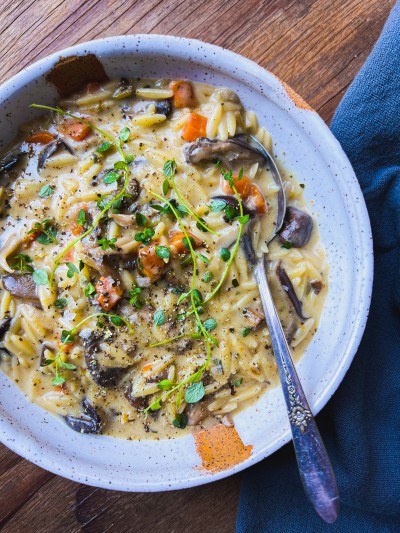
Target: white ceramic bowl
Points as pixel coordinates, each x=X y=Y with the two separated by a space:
x=305 y=145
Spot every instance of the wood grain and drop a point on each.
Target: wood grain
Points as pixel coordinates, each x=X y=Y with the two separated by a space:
x=317 y=47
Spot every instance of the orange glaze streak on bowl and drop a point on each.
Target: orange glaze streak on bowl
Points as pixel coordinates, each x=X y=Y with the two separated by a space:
x=220 y=447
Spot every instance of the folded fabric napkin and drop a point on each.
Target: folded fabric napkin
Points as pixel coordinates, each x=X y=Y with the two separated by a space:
x=361 y=424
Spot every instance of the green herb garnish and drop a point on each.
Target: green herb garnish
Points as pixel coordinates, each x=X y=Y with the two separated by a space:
x=159 y=317
x=208 y=276
x=111 y=177
x=210 y=324
x=135 y=299
x=225 y=254
x=165 y=187
x=169 y=169
x=163 y=252
x=124 y=134
x=40 y=277
x=107 y=243
x=81 y=220
x=141 y=220
x=72 y=270
x=217 y=205
x=104 y=147
x=46 y=232
x=195 y=392
x=45 y=191
x=89 y=289
x=22 y=263
x=145 y=236
x=61 y=303
x=246 y=331
x=180 y=421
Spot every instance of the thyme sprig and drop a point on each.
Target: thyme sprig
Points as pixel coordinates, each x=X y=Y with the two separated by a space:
x=196 y=376
x=123 y=166
x=229 y=178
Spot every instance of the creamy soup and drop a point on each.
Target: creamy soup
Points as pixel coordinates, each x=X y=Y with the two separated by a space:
x=127 y=305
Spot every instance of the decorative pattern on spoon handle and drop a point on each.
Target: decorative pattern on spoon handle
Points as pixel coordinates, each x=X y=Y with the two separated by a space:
x=314 y=465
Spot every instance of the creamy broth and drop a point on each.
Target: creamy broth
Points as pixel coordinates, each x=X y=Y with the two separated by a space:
x=97 y=249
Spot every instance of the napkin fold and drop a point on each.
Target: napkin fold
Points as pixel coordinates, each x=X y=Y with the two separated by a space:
x=361 y=423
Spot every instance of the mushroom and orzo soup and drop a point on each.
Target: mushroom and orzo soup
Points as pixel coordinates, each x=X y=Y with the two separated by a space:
x=126 y=302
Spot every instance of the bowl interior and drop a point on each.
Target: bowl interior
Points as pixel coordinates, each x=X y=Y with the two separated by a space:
x=305 y=146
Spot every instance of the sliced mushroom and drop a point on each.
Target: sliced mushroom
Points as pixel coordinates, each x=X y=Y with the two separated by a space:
x=254 y=316
x=287 y=286
x=230 y=152
x=124 y=89
x=107 y=356
x=163 y=107
x=50 y=149
x=317 y=285
x=12 y=156
x=91 y=254
x=21 y=286
x=126 y=221
x=297 y=227
x=90 y=422
x=139 y=403
x=4 y=327
x=197 y=412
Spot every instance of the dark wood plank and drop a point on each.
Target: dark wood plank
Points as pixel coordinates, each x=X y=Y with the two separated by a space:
x=63 y=505
x=317 y=47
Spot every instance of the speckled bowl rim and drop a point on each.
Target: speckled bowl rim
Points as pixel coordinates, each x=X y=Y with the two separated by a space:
x=9 y=432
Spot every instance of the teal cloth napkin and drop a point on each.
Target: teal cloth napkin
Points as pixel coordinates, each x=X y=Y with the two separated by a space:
x=361 y=424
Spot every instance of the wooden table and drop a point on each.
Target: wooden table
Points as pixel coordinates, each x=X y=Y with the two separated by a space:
x=317 y=47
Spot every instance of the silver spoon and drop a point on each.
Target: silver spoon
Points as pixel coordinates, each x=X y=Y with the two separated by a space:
x=314 y=465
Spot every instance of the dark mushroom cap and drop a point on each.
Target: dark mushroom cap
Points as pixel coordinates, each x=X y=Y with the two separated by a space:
x=50 y=149
x=102 y=374
x=21 y=286
x=297 y=227
x=90 y=422
x=230 y=152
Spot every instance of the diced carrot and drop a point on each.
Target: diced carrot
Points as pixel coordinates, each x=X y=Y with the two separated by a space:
x=183 y=93
x=64 y=347
x=108 y=293
x=77 y=130
x=150 y=264
x=147 y=367
x=40 y=137
x=176 y=242
x=194 y=128
x=256 y=201
x=70 y=255
x=77 y=229
x=242 y=186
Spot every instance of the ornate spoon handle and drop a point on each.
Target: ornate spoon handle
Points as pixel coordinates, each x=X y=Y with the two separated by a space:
x=314 y=465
